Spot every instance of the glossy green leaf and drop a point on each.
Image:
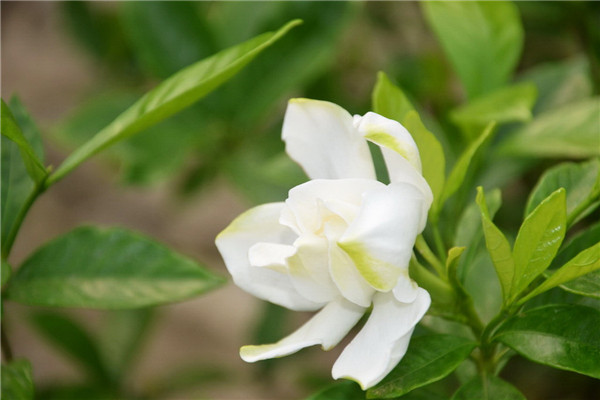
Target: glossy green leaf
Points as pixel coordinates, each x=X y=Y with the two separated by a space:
x=174 y=94
x=459 y=171
x=569 y=131
x=581 y=181
x=107 y=268
x=563 y=336
x=538 y=240
x=17 y=383
x=391 y=102
x=586 y=285
x=508 y=104
x=345 y=390
x=483 y=40
x=488 y=388
x=428 y=359
x=11 y=129
x=584 y=263
x=71 y=338
x=498 y=247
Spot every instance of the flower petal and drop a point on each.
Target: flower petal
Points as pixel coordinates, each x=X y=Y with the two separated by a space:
x=327 y=328
x=383 y=341
x=406 y=290
x=260 y=224
x=381 y=238
x=395 y=141
x=321 y=137
x=347 y=278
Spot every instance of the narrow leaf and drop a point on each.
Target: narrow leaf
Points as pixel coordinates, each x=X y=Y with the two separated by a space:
x=487 y=388
x=428 y=359
x=584 y=263
x=74 y=341
x=107 y=269
x=562 y=336
x=483 y=40
x=179 y=91
x=6 y=272
x=538 y=240
x=569 y=131
x=17 y=383
x=497 y=246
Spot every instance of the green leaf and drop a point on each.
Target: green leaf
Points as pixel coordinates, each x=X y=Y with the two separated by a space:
x=10 y=129
x=345 y=390
x=588 y=285
x=179 y=91
x=67 y=335
x=6 y=272
x=391 y=102
x=562 y=336
x=483 y=41
x=107 y=269
x=584 y=263
x=17 y=383
x=498 y=247
x=569 y=131
x=487 y=388
x=459 y=171
x=428 y=359
x=538 y=240
x=508 y=104
x=581 y=181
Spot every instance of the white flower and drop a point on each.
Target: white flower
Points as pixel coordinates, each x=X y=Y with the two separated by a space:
x=340 y=242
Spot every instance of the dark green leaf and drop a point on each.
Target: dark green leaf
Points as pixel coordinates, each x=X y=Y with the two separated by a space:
x=16 y=381
x=538 y=240
x=570 y=131
x=498 y=247
x=6 y=272
x=508 y=104
x=488 y=388
x=345 y=390
x=581 y=181
x=584 y=263
x=428 y=359
x=67 y=335
x=562 y=336
x=483 y=40
x=108 y=268
x=173 y=95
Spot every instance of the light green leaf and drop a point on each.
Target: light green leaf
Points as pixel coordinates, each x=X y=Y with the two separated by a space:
x=17 y=383
x=107 y=269
x=452 y=261
x=581 y=181
x=538 y=240
x=179 y=91
x=584 y=263
x=428 y=359
x=10 y=129
x=459 y=171
x=569 y=131
x=498 y=247
x=587 y=285
x=483 y=40
x=487 y=388
x=67 y=335
x=508 y=104
x=563 y=336
x=391 y=102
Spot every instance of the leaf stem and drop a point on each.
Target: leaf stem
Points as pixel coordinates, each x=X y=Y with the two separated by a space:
x=439 y=243
x=429 y=256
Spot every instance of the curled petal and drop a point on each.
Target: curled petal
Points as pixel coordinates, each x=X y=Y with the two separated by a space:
x=383 y=341
x=321 y=137
x=348 y=280
x=381 y=238
x=260 y=224
x=326 y=328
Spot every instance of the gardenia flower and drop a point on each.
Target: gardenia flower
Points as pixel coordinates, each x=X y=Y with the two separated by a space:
x=340 y=243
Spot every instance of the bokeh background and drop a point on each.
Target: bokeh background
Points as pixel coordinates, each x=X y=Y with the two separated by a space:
x=76 y=66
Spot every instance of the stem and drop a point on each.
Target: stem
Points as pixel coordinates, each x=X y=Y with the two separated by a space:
x=429 y=256
x=7 y=353
x=439 y=243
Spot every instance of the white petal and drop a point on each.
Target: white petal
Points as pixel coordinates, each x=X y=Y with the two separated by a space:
x=260 y=224
x=406 y=290
x=381 y=238
x=383 y=341
x=326 y=328
x=321 y=137
x=309 y=269
x=395 y=141
x=347 y=278
x=270 y=255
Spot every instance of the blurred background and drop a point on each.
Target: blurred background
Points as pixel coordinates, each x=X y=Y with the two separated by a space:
x=77 y=65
